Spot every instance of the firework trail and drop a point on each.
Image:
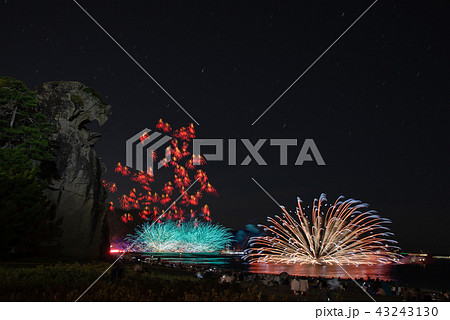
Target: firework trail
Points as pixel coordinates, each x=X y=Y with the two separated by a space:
x=185 y=237
x=343 y=233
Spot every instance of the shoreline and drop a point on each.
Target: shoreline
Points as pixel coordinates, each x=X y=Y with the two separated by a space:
x=347 y=280
x=405 y=273
x=50 y=280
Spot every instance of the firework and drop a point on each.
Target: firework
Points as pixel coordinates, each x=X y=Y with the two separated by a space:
x=342 y=233
x=136 y=204
x=185 y=237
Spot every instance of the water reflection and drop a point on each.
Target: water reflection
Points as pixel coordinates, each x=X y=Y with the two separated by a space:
x=382 y=271
x=204 y=259
x=435 y=275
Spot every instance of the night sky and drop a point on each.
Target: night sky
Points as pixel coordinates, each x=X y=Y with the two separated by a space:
x=376 y=104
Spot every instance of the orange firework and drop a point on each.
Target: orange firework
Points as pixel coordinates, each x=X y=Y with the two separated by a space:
x=198 y=160
x=165 y=199
x=186 y=181
x=180 y=171
x=112 y=188
x=206 y=212
x=341 y=233
x=168 y=188
x=142 y=177
x=144 y=214
x=160 y=124
x=155 y=211
x=122 y=169
x=144 y=137
x=178 y=182
x=201 y=176
x=176 y=153
x=193 y=200
x=126 y=217
x=184 y=150
x=182 y=134
x=209 y=188
x=141 y=202
x=191 y=130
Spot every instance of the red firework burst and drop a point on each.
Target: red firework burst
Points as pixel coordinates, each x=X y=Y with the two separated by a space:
x=141 y=202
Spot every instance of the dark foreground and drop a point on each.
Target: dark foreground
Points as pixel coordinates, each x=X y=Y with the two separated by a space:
x=131 y=281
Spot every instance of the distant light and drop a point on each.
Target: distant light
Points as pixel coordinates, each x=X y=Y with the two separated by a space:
x=115 y=251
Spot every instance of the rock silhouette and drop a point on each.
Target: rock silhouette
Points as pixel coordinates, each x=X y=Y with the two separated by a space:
x=77 y=191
